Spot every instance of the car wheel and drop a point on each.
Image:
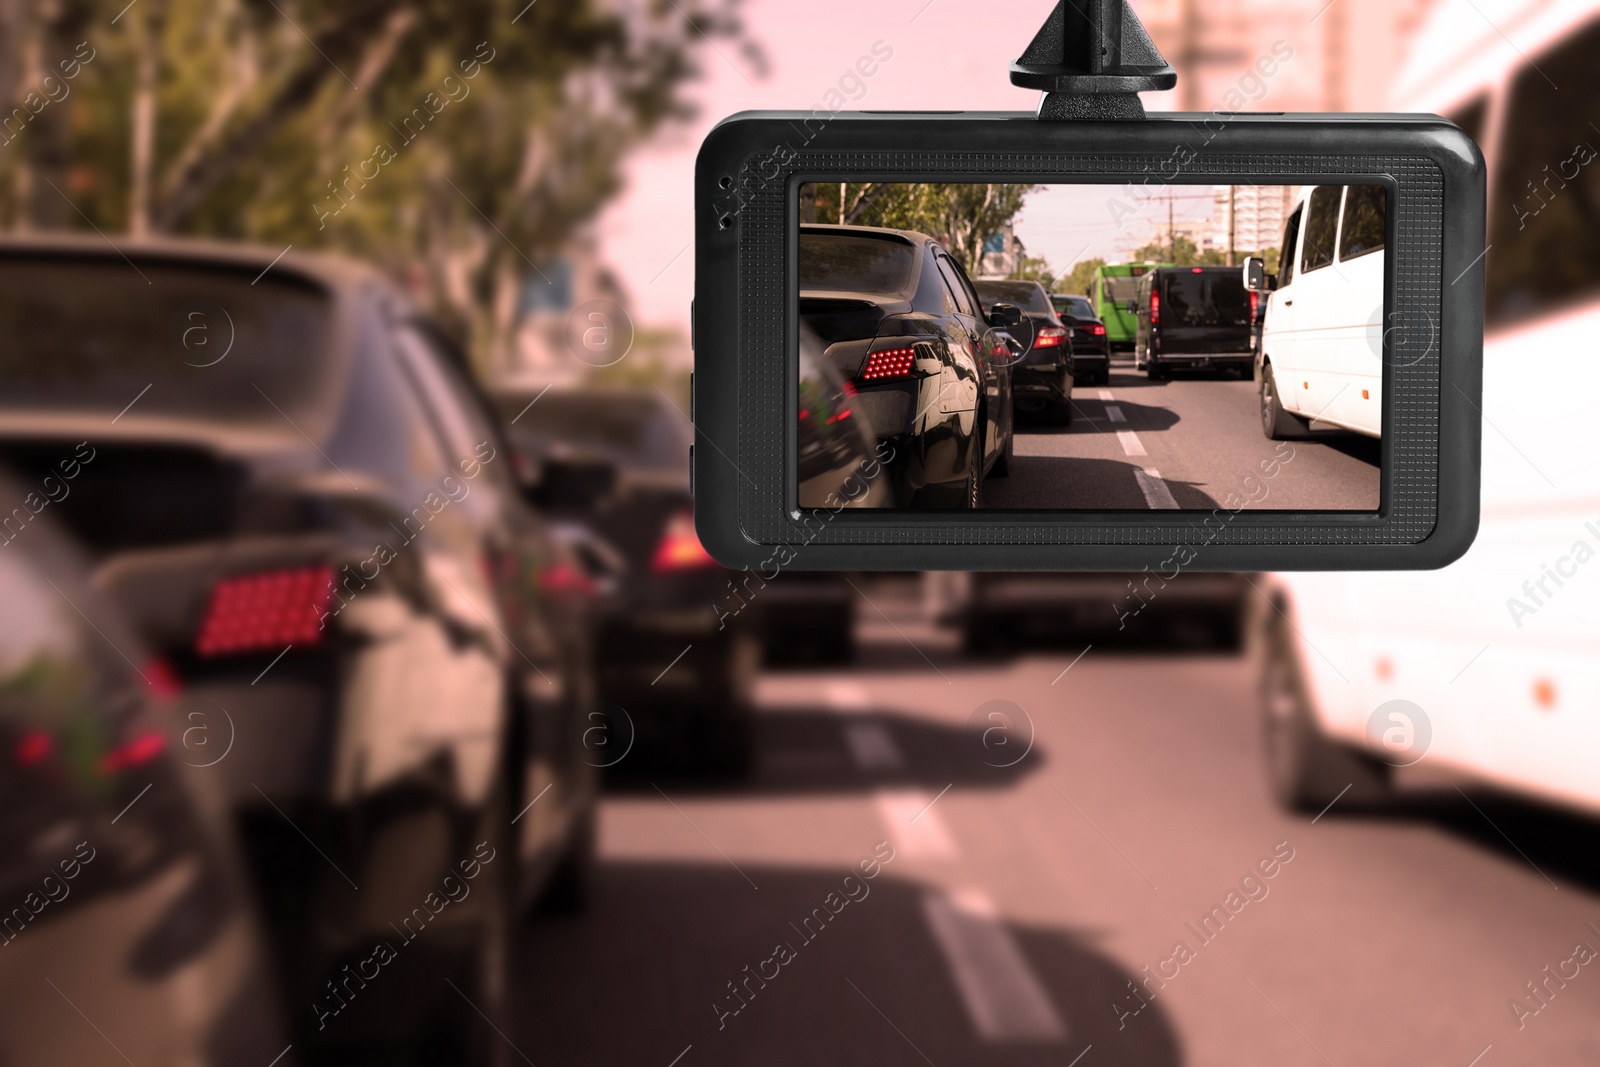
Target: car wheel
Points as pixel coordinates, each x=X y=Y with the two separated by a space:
x=1104 y=377
x=972 y=491
x=1277 y=422
x=572 y=881
x=1059 y=411
x=1002 y=463
x=1307 y=770
x=1154 y=372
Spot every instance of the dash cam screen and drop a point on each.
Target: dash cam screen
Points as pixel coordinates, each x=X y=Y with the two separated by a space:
x=1091 y=347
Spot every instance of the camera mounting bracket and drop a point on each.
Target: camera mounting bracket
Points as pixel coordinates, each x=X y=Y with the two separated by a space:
x=1091 y=59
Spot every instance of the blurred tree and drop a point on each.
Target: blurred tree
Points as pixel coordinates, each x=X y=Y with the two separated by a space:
x=1035 y=269
x=459 y=144
x=960 y=216
x=1182 y=253
x=1080 y=277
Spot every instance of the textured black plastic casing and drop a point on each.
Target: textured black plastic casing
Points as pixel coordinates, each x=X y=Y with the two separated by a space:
x=747 y=181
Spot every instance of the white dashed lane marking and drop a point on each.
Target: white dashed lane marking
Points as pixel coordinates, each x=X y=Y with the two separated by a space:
x=1155 y=490
x=916 y=829
x=872 y=746
x=1004 y=998
x=1131 y=445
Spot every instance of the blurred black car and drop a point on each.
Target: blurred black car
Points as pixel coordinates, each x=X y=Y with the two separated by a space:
x=1091 y=355
x=1194 y=318
x=1042 y=379
x=903 y=325
x=996 y=611
x=283 y=475
x=121 y=894
x=679 y=635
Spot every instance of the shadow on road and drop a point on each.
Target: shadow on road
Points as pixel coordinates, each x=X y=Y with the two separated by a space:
x=808 y=751
x=651 y=969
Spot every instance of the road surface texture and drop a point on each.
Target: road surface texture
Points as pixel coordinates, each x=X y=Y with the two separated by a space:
x=1037 y=897
x=1189 y=442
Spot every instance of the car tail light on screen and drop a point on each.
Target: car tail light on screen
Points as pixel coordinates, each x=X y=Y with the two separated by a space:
x=1050 y=337
x=680 y=549
x=1155 y=308
x=891 y=363
x=1098 y=330
x=1255 y=305
x=265 y=611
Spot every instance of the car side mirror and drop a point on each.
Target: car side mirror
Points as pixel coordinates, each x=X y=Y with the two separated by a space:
x=1255 y=274
x=1005 y=316
x=570 y=485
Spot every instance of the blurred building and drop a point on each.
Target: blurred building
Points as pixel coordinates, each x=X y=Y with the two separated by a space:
x=1249 y=218
x=1002 y=254
x=1345 y=54
x=546 y=298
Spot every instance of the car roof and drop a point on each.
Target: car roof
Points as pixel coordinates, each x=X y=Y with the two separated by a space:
x=908 y=236
x=333 y=273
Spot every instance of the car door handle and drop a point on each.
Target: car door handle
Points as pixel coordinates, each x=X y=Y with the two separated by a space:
x=1288 y=303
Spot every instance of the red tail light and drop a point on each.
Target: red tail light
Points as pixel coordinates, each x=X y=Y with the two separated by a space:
x=140 y=750
x=680 y=549
x=266 y=611
x=1155 y=307
x=1255 y=305
x=564 y=577
x=33 y=748
x=1098 y=330
x=1050 y=337
x=892 y=363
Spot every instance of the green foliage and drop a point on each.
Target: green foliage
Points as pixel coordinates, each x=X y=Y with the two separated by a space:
x=960 y=216
x=1080 y=277
x=1035 y=269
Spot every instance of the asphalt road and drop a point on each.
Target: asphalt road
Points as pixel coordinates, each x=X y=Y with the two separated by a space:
x=1030 y=884
x=1189 y=442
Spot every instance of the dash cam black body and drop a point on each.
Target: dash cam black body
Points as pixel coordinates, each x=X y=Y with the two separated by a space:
x=778 y=289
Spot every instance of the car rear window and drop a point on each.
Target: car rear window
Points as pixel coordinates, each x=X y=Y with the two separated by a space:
x=1076 y=306
x=92 y=335
x=1210 y=298
x=855 y=264
x=1120 y=288
x=1026 y=295
x=638 y=429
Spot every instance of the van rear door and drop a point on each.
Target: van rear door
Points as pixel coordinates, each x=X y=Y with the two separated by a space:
x=1204 y=311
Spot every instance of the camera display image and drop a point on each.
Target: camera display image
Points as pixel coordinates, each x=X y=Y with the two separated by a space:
x=1091 y=347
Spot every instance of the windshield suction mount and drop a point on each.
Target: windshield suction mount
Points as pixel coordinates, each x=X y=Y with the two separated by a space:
x=1091 y=59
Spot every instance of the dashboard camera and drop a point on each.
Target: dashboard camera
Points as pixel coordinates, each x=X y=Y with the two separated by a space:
x=888 y=377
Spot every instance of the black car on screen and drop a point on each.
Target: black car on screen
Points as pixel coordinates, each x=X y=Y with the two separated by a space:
x=1194 y=318
x=283 y=475
x=901 y=323
x=1041 y=380
x=122 y=897
x=1091 y=354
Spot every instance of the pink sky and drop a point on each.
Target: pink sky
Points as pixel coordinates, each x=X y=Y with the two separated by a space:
x=948 y=54
x=954 y=55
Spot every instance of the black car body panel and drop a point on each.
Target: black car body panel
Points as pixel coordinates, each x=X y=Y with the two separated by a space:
x=309 y=515
x=1091 y=353
x=916 y=306
x=121 y=892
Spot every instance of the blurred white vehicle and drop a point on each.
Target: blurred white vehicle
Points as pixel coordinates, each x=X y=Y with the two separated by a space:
x=1500 y=652
x=1323 y=326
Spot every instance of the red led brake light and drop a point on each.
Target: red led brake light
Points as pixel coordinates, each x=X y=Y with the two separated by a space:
x=265 y=611
x=892 y=363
